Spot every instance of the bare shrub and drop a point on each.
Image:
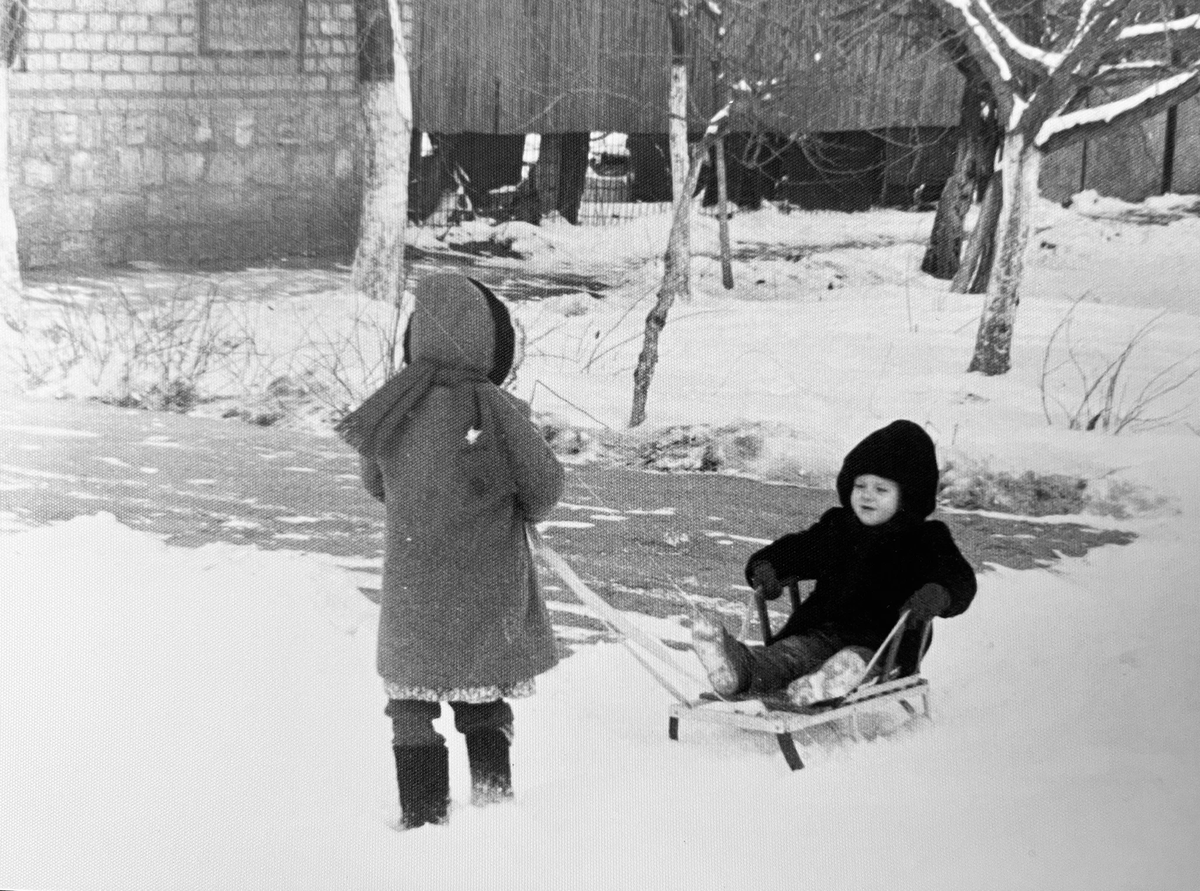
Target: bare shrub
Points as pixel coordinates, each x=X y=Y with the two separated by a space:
x=1101 y=391
x=151 y=350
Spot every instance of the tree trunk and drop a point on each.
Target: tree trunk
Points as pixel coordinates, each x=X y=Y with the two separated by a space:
x=1019 y=186
x=975 y=271
x=677 y=106
x=974 y=161
x=378 y=269
x=676 y=283
x=723 y=217
x=10 y=267
x=547 y=173
x=561 y=173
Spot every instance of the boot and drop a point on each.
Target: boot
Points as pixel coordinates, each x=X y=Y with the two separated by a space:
x=717 y=650
x=491 y=771
x=423 y=775
x=840 y=674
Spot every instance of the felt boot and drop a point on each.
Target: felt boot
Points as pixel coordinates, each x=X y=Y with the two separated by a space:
x=717 y=650
x=840 y=674
x=491 y=771
x=423 y=775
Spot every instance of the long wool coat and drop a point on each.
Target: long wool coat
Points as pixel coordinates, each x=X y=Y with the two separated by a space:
x=461 y=614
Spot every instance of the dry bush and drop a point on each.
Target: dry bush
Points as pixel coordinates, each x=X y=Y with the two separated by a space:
x=1103 y=394
x=150 y=350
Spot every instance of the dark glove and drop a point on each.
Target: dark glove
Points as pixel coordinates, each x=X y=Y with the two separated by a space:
x=928 y=602
x=762 y=577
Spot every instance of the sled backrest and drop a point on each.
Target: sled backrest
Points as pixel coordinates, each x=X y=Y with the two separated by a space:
x=905 y=652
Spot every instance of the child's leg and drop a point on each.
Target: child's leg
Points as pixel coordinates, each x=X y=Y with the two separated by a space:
x=422 y=764
x=488 y=729
x=776 y=665
x=836 y=677
x=735 y=668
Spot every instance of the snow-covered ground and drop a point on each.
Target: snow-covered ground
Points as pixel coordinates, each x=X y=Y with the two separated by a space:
x=210 y=718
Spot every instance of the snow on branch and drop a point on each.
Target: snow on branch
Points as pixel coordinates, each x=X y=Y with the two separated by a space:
x=984 y=36
x=1061 y=127
x=1158 y=29
x=718 y=119
x=1094 y=16
x=1047 y=59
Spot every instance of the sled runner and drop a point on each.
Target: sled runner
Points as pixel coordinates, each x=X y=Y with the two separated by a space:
x=892 y=675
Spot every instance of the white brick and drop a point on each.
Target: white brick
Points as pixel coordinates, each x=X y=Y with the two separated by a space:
x=106 y=62
x=102 y=22
x=90 y=41
x=118 y=81
x=37 y=172
x=135 y=24
x=164 y=64
x=166 y=24
x=41 y=61
x=148 y=83
x=88 y=80
x=73 y=61
x=72 y=22
x=66 y=129
x=151 y=43
x=135 y=63
x=41 y=22
x=178 y=83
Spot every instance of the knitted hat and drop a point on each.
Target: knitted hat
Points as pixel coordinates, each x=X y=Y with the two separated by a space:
x=902 y=452
x=451 y=325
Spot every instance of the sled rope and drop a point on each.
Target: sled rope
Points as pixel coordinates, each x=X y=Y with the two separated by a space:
x=629 y=633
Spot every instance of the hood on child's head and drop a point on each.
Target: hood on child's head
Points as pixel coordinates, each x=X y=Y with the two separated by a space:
x=902 y=452
x=458 y=322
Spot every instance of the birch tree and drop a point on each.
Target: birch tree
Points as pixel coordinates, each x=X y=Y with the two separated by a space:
x=678 y=22
x=1045 y=92
x=378 y=269
x=676 y=281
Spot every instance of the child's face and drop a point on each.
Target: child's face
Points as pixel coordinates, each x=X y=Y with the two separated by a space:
x=874 y=499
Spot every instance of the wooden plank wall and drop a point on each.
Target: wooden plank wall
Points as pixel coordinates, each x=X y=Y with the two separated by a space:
x=520 y=66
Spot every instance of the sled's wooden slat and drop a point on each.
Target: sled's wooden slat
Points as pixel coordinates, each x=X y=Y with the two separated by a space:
x=784 y=723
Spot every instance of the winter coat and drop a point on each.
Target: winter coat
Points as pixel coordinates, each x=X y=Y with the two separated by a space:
x=865 y=574
x=461 y=470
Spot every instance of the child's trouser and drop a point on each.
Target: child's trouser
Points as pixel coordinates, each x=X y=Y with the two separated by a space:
x=412 y=720
x=765 y=669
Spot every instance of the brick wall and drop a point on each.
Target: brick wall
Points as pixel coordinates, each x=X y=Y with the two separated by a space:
x=185 y=131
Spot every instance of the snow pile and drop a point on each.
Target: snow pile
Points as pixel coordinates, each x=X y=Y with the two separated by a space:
x=190 y=719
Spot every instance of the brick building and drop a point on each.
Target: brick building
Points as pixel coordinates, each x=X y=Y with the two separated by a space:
x=184 y=130
x=213 y=131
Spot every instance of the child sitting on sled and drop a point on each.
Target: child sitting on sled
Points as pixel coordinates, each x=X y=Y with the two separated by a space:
x=872 y=558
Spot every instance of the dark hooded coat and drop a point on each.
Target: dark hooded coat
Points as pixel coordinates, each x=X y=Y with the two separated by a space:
x=865 y=574
x=461 y=470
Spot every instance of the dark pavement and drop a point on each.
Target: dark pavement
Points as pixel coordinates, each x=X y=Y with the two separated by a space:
x=636 y=537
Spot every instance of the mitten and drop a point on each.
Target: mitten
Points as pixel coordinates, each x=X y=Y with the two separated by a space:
x=762 y=576
x=927 y=602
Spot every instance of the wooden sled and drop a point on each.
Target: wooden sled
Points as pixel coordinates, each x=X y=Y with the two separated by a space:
x=892 y=675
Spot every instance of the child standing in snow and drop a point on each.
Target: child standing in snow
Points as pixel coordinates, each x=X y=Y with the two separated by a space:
x=872 y=558
x=460 y=469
